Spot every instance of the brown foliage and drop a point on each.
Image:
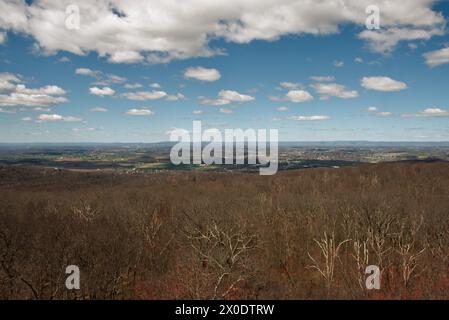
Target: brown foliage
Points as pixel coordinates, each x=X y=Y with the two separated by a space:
x=305 y=234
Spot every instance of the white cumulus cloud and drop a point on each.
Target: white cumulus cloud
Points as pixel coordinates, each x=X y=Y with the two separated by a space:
x=155 y=85
x=102 y=79
x=145 y=95
x=298 y=96
x=159 y=31
x=13 y=93
x=140 y=112
x=226 y=97
x=87 y=72
x=57 y=117
x=213 y=102
x=309 y=118
x=327 y=90
x=8 y=81
x=202 y=74
x=125 y=57
x=435 y=58
x=322 y=78
x=382 y=84
x=175 y=97
x=290 y=85
x=234 y=96
x=385 y=40
x=102 y=92
x=433 y=112
x=47 y=90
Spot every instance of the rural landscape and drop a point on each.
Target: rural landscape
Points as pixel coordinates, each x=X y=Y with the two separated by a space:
x=211 y=234
x=252 y=155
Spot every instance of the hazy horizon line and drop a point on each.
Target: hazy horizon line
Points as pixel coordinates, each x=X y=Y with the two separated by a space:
x=173 y=142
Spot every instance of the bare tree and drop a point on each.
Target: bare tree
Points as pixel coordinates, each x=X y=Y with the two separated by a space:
x=329 y=249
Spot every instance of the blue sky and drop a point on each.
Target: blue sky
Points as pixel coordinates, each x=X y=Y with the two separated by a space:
x=338 y=83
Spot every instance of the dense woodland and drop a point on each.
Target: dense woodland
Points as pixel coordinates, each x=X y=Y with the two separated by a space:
x=303 y=234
